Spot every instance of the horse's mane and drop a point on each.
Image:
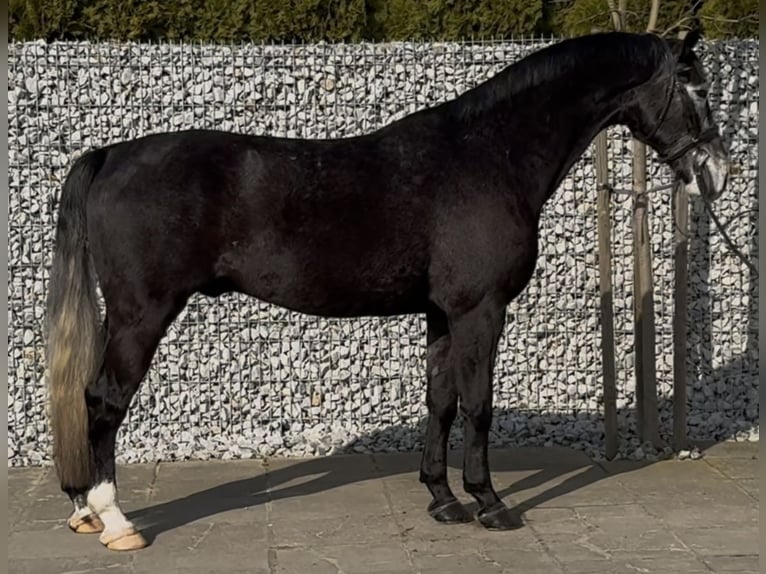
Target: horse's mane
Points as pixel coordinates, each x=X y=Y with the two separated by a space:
x=592 y=59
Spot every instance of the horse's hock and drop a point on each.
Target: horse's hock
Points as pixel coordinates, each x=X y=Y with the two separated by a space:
x=236 y=377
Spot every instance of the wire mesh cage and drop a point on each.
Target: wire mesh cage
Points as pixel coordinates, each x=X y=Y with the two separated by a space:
x=237 y=377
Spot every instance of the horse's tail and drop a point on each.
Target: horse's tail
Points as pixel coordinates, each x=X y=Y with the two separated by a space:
x=75 y=340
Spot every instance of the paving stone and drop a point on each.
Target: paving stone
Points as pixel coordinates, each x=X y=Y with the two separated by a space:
x=24 y=483
x=350 y=529
x=319 y=502
x=535 y=458
x=552 y=521
x=751 y=486
x=738 y=540
x=674 y=480
x=331 y=559
x=555 y=486
x=686 y=512
x=56 y=541
x=624 y=528
x=731 y=449
x=623 y=564
x=676 y=562
x=201 y=548
x=331 y=488
x=746 y=563
x=230 y=479
x=189 y=492
x=735 y=467
x=513 y=555
x=368 y=515
x=112 y=564
x=21 y=481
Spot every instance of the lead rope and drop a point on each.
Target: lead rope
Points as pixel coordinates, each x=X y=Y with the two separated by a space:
x=729 y=243
x=708 y=206
x=616 y=191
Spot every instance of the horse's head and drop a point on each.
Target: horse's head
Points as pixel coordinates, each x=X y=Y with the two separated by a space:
x=676 y=121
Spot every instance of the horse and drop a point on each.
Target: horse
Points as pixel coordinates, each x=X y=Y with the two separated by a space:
x=436 y=213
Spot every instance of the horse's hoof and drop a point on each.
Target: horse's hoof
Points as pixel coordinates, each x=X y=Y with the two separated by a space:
x=90 y=524
x=131 y=539
x=450 y=512
x=499 y=517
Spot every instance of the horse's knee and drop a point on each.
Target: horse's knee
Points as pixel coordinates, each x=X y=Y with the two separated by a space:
x=479 y=414
x=443 y=405
x=437 y=351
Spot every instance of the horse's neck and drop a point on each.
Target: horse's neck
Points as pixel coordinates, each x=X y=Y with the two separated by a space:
x=544 y=136
x=569 y=137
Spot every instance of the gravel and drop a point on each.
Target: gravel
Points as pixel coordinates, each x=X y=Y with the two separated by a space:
x=237 y=378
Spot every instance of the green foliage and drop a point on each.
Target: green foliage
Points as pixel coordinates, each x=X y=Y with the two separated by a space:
x=308 y=20
x=452 y=19
x=581 y=16
x=490 y=18
x=43 y=18
x=220 y=20
x=124 y=19
x=354 y=20
x=399 y=19
x=730 y=18
x=553 y=11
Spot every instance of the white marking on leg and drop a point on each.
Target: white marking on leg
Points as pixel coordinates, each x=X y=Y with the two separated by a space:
x=102 y=499
x=83 y=520
x=81 y=509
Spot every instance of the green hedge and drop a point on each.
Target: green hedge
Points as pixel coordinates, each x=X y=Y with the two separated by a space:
x=583 y=15
x=730 y=18
x=718 y=18
x=452 y=19
x=216 y=20
x=353 y=20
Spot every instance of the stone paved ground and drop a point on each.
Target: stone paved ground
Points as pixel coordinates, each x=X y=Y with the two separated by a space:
x=366 y=514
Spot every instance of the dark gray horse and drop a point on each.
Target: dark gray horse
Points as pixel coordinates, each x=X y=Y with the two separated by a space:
x=436 y=213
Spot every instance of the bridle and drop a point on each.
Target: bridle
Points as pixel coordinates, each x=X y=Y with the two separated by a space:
x=684 y=145
x=686 y=142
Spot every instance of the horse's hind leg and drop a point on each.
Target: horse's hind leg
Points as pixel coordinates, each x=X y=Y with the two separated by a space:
x=83 y=520
x=475 y=335
x=441 y=398
x=132 y=339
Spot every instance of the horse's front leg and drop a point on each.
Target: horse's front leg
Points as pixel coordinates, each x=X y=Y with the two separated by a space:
x=475 y=335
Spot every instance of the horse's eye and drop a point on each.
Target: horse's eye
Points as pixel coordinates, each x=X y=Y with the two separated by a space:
x=701 y=92
x=684 y=74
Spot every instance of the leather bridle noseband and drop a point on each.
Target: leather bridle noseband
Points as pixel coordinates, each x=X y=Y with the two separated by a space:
x=685 y=143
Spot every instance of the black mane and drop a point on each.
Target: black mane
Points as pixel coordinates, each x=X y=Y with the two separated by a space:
x=587 y=59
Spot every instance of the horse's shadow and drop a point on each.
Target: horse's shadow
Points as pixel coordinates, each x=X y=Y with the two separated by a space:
x=321 y=474
x=329 y=472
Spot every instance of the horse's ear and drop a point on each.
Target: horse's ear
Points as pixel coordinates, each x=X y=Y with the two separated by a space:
x=690 y=40
x=683 y=49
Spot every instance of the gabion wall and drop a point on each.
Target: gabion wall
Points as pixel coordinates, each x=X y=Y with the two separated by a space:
x=238 y=378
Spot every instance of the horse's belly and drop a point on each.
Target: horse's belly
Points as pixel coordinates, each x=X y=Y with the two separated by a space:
x=345 y=300
x=336 y=289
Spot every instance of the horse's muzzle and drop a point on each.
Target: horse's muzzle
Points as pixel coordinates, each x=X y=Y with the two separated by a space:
x=711 y=169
